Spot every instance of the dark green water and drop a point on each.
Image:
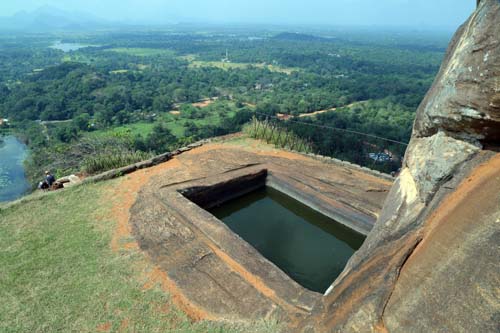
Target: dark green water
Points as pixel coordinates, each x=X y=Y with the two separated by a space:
x=310 y=247
x=13 y=183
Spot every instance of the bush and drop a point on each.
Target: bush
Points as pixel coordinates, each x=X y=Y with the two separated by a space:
x=109 y=161
x=277 y=134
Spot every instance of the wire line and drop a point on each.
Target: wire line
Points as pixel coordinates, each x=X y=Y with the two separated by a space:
x=338 y=129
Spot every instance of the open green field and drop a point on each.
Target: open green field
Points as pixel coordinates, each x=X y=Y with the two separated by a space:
x=141 y=52
x=144 y=129
x=131 y=129
x=175 y=123
x=236 y=65
x=134 y=51
x=60 y=274
x=76 y=57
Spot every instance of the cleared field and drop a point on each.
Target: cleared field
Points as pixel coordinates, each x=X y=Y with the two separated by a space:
x=239 y=65
x=204 y=103
x=141 y=128
x=76 y=57
x=178 y=129
x=119 y=71
x=175 y=123
x=141 y=52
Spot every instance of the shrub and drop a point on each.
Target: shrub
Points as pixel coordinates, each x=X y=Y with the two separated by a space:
x=277 y=134
x=108 y=161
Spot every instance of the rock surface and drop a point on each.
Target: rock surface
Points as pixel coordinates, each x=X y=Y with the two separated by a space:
x=465 y=98
x=217 y=274
x=431 y=262
x=450 y=283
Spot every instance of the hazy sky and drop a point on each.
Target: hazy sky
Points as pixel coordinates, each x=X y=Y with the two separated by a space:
x=423 y=13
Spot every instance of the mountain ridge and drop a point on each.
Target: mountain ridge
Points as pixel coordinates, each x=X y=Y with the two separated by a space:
x=48 y=18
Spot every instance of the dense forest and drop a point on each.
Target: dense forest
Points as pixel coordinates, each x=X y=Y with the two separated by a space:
x=135 y=94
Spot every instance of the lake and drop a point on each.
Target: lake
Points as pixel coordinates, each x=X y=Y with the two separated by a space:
x=67 y=47
x=13 y=182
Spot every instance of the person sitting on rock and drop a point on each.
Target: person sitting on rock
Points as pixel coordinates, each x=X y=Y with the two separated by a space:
x=43 y=186
x=49 y=178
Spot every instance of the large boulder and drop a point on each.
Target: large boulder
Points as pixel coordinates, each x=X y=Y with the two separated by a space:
x=464 y=100
x=431 y=262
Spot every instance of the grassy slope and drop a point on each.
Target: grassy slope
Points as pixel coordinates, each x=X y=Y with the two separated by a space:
x=174 y=123
x=58 y=272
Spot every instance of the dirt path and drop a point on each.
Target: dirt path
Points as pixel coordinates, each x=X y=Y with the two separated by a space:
x=206 y=102
x=312 y=114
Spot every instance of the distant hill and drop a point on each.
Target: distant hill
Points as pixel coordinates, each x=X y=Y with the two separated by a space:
x=294 y=36
x=49 y=18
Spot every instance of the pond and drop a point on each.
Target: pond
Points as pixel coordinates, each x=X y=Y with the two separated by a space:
x=13 y=182
x=310 y=247
x=67 y=47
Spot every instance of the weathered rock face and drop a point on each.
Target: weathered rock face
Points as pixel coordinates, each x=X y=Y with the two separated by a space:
x=465 y=98
x=431 y=261
x=450 y=282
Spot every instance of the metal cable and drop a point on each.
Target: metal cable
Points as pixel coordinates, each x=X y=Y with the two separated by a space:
x=338 y=129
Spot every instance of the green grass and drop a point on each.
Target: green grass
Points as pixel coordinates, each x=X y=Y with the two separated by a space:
x=176 y=126
x=76 y=57
x=141 y=52
x=59 y=274
x=236 y=65
x=107 y=161
x=174 y=123
x=141 y=128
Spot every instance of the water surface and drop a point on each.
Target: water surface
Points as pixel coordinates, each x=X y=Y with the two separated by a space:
x=13 y=183
x=67 y=47
x=310 y=247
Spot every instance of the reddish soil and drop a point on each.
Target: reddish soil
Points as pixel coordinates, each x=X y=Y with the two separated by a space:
x=283 y=116
x=204 y=103
x=104 y=327
x=125 y=194
x=312 y=114
x=157 y=276
x=124 y=325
